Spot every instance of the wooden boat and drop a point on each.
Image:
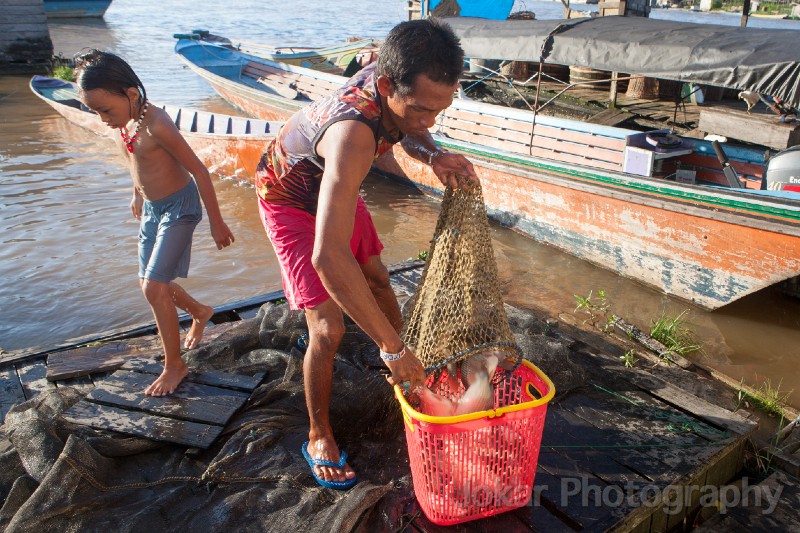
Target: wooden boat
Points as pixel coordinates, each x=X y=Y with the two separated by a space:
x=262 y=88
x=226 y=144
x=75 y=8
x=333 y=59
x=597 y=192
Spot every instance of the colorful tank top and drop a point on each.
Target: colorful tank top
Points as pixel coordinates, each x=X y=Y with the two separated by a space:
x=290 y=171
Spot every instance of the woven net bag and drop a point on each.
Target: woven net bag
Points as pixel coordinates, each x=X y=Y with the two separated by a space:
x=458 y=309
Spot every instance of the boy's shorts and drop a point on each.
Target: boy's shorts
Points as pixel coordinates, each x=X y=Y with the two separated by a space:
x=165 y=234
x=291 y=231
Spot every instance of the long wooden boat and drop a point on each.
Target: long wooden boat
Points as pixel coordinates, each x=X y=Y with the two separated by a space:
x=606 y=195
x=228 y=145
x=75 y=8
x=332 y=59
x=260 y=87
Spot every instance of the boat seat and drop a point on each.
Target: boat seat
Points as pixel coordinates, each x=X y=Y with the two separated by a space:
x=306 y=86
x=517 y=134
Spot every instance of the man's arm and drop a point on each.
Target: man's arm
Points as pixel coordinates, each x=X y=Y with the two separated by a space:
x=348 y=148
x=446 y=165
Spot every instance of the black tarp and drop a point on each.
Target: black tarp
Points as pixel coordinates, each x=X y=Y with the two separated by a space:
x=763 y=60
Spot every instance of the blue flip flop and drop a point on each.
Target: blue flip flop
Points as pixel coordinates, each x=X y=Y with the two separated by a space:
x=338 y=485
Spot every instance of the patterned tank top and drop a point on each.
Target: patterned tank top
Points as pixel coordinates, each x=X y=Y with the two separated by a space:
x=290 y=171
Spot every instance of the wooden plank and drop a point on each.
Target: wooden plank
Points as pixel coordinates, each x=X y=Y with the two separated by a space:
x=135 y=381
x=206 y=377
x=610 y=117
x=534 y=151
x=312 y=87
x=577 y=432
x=281 y=88
x=557 y=145
x=560 y=476
x=33 y=378
x=99 y=358
x=192 y=434
x=766 y=130
x=169 y=406
x=700 y=408
x=83 y=384
x=634 y=427
x=266 y=70
x=543 y=130
x=11 y=392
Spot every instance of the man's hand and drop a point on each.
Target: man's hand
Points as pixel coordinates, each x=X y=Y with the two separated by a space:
x=448 y=167
x=222 y=234
x=406 y=371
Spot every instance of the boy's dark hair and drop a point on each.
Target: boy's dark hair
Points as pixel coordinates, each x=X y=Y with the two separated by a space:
x=96 y=69
x=420 y=47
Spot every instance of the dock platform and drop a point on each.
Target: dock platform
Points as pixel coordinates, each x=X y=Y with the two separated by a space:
x=622 y=449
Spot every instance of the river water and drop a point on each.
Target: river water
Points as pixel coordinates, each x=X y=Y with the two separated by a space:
x=68 y=254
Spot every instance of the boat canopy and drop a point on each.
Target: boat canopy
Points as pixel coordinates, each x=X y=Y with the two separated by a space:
x=754 y=59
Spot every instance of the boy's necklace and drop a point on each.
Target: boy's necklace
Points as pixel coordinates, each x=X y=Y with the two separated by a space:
x=129 y=140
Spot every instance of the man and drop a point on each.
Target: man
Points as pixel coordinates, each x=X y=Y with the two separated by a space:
x=329 y=252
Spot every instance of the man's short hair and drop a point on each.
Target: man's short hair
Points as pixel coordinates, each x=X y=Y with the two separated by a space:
x=416 y=47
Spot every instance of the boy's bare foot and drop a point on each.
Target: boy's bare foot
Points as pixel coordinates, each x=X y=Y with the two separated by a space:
x=168 y=381
x=198 y=325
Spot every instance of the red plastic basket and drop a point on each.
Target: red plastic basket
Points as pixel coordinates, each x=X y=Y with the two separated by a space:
x=477 y=465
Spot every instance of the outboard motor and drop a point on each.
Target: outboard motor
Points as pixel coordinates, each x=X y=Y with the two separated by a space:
x=783 y=171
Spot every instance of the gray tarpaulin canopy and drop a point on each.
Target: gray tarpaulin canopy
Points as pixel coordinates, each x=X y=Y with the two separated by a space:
x=756 y=59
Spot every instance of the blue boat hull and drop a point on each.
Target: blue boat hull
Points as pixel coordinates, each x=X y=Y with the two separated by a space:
x=75 y=8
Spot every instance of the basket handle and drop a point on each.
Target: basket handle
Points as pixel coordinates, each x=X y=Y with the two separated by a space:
x=479 y=348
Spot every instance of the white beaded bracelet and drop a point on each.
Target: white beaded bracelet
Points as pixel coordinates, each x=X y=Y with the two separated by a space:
x=431 y=155
x=393 y=356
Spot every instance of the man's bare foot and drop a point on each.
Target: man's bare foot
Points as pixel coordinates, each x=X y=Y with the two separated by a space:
x=168 y=381
x=327 y=449
x=198 y=325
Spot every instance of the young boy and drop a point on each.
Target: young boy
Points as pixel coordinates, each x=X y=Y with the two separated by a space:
x=165 y=200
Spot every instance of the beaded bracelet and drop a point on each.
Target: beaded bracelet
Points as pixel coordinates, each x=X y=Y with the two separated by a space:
x=393 y=356
x=431 y=155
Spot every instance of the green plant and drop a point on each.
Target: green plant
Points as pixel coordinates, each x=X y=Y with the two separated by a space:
x=596 y=309
x=629 y=358
x=770 y=399
x=423 y=255
x=63 y=72
x=672 y=332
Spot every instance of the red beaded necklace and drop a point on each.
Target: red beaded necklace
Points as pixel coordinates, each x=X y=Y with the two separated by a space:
x=123 y=131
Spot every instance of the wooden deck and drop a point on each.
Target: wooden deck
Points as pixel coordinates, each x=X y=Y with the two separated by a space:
x=619 y=452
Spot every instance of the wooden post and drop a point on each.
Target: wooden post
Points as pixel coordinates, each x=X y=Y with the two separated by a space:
x=745 y=13
x=25 y=44
x=612 y=94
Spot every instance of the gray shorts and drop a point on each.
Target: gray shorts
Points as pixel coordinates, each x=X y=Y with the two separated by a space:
x=165 y=234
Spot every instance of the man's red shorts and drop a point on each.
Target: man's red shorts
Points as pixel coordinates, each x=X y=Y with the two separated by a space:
x=291 y=232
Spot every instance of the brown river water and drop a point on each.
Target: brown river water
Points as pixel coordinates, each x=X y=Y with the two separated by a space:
x=68 y=252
